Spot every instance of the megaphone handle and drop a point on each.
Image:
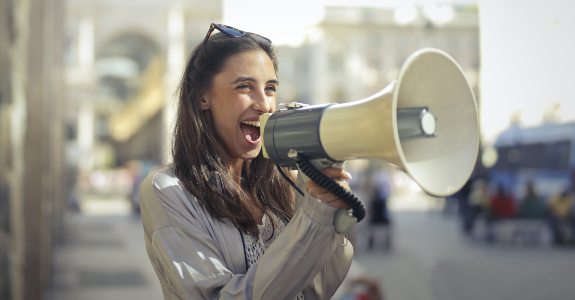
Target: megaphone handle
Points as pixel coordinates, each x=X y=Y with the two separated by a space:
x=331 y=186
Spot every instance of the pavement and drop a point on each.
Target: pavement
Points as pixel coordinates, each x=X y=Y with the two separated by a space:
x=432 y=260
x=103 y=257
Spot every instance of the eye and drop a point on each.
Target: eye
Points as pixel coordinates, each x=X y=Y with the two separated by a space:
x=243 y=86
x=271 y=88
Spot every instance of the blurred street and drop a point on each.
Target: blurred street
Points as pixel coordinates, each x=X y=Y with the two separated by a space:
x=103 y=257
x=431 y=259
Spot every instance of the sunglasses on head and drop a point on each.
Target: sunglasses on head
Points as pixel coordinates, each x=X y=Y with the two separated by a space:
x=232 y=32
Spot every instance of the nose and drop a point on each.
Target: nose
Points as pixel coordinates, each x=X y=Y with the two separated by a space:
x=262 y=102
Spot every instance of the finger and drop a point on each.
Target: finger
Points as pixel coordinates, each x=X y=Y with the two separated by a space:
x=339 y=180
x=322 y=194
x=344 y=184
x=327 y=198
x=338 y=204
x=318 y=190
x=336 y=173
x=331 y=200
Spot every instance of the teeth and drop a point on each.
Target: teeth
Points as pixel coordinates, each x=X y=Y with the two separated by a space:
x=252 y=123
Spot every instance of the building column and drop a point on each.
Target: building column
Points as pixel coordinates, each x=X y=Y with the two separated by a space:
x=175 y=61
x=36 y=142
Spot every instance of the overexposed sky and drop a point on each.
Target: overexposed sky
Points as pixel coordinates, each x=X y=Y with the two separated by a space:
x=286 y=22
x=528 y=62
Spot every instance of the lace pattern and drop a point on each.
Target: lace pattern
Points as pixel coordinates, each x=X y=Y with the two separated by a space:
x=255 y=247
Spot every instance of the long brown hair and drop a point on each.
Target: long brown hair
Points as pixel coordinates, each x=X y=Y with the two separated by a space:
x=198 y=162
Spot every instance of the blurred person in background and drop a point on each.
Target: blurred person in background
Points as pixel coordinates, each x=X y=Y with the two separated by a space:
x=531 y=205
x=138 y=170
x=362 y=288
x=478 y=204
x=501 y=206
x=221 y=221
x=134 y=169
x=379 y=217
x=561 y=217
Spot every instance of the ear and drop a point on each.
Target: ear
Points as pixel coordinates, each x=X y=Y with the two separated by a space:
x=204 y=103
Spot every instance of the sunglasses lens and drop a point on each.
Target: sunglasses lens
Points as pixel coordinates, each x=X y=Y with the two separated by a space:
x=231 y=31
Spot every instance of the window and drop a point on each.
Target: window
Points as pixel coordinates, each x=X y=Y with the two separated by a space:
x=544 y=156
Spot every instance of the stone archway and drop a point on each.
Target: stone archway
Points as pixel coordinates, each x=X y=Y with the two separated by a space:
x=120 y=63
x=130 y=69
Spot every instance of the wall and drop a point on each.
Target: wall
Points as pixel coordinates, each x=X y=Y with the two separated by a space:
x=31 y=132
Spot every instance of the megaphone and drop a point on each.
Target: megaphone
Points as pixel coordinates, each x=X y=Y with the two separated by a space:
x=425 y=123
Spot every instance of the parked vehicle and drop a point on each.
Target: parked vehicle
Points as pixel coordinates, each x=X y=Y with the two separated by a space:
x=544 y=154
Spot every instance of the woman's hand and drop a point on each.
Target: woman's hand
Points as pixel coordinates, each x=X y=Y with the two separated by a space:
x=340 y=176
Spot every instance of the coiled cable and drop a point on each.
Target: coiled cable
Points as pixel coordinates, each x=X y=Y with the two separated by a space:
x=331 y=186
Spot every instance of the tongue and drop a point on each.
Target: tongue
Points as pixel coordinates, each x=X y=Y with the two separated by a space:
x=252 y=133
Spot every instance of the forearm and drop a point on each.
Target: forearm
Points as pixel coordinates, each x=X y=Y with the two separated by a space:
x=305 y=248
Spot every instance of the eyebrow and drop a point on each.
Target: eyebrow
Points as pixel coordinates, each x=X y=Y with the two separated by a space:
x=250 y=79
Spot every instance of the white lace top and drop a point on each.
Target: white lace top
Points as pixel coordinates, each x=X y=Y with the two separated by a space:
x=255 y=248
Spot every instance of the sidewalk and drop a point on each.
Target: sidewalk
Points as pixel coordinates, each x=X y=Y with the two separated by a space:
x=432 y=260
x=103 y=256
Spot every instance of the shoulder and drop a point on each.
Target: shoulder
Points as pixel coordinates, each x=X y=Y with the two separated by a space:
x=163 y=185
x=165 y=202
x=162 y=178
x=171 y=215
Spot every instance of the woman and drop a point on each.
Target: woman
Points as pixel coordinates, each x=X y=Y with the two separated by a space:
x=221 y=222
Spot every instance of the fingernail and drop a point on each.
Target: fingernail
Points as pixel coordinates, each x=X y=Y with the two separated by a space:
x=347 y=175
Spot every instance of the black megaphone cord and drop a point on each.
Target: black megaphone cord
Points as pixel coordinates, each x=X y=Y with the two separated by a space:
x=331 y=186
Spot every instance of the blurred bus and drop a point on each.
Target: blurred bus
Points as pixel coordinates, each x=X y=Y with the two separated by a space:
x=544 y=154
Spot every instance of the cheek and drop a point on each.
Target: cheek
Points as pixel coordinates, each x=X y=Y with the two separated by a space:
x=224 y=124
x=225 y=121
x=218 y=122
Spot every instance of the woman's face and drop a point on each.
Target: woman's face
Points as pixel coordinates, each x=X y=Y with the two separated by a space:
x=240 y=93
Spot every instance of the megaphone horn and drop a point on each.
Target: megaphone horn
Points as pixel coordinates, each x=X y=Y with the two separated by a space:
x=425 y=123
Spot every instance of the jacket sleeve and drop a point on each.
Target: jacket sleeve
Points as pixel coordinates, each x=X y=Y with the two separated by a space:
x=308 y=253
x=190 y=265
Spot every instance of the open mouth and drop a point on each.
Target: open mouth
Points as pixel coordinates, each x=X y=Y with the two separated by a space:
x=251 y=130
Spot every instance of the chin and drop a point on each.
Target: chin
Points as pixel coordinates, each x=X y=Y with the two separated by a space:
x=252 y=154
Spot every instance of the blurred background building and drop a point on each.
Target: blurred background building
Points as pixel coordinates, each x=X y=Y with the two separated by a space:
x=356 y=51
x=87 y=89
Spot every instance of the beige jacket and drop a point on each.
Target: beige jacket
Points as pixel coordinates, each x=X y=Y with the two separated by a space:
x=198 y=257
